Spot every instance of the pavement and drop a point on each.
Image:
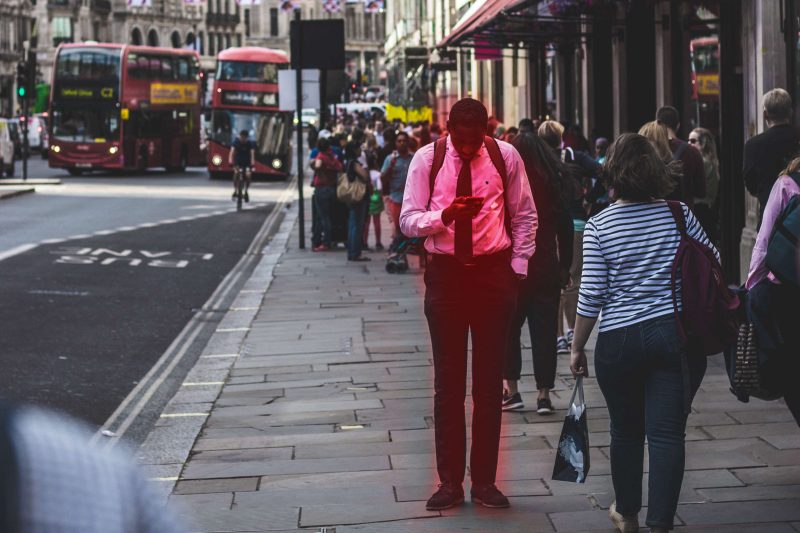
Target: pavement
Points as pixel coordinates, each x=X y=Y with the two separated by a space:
x=311 y=410
x=12 y=191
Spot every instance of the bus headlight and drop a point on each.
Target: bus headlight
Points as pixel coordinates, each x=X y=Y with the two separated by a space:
x=56 y=148
x=216 y=160
x=113 y=150
x=277 y=163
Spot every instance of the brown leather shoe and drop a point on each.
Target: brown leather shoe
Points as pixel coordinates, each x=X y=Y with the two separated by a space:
x=488 y=495
x=448 y=495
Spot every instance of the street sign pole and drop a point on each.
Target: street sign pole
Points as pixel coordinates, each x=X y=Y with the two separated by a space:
x=26 y=112
x=297 y=49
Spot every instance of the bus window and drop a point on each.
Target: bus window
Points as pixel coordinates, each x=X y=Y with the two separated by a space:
x=167 y=69
x=88 y=63
x=155 y=68
x=184 y=69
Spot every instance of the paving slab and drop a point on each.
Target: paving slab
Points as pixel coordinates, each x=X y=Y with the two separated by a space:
x=325 y=421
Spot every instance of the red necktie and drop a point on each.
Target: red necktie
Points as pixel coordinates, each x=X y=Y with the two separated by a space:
x=463 y=228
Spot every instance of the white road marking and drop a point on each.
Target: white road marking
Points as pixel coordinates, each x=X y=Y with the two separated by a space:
x=52 y=241
x=22 y=248
x=201 y=383
x=219 y=356
x=231 y=330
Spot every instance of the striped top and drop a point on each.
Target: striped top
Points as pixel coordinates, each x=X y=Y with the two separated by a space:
x=628 y=251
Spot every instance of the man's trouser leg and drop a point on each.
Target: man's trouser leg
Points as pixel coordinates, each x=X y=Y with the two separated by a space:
x=457 y=298
x=491 y=314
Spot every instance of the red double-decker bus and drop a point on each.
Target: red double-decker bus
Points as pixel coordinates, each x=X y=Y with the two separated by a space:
x=116 y=106
x=245 y=97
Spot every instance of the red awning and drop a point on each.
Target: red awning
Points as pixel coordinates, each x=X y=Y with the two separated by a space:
x=475 y=18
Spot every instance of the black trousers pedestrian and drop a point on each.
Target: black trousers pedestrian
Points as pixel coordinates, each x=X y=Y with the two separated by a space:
x=538 y=304
x=461 y=299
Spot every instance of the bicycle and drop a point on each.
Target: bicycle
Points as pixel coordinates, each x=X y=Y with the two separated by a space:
x=238 y=183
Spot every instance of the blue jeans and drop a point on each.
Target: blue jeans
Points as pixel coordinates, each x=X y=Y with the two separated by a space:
x=638 y=369
x=355 y=228
x=323 y=199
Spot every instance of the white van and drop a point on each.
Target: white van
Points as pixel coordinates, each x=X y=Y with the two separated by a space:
x=6 y=148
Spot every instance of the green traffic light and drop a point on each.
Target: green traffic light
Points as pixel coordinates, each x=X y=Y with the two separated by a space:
x=21 y=92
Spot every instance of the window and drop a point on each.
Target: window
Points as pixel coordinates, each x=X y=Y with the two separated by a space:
x=211 y=47
x=88 y=63
x=200 y=43
x=184 y=68
x=273 y=21
x=246 y=71
x=227 y=40
x=61 y=28
x=238 y=39
x=247 y=23
x=79 y=123
x=220 y=43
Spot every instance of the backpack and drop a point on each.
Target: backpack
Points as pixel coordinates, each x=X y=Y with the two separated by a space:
x=783 y=250
x=710 y=317
x=439 y=151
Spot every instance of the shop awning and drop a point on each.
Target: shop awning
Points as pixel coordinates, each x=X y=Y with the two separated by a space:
x=491 y=24
x=477 y=17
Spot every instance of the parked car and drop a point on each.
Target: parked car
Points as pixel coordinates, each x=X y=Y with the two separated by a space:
x=375 y=93
x=7 y=148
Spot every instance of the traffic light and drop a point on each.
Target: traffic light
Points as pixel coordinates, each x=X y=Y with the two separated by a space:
x=23 y=80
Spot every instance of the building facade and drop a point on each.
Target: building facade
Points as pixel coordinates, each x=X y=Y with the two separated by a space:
x=15 y=29
x=605 y=67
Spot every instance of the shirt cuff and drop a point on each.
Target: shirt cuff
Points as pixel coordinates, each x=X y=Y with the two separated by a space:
x=520 y=266
x=435 y=222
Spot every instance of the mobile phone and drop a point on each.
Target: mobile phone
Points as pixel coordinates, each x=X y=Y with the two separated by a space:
x=478 y=200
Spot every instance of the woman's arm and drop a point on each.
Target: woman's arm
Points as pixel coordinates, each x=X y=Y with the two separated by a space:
x=583 y=328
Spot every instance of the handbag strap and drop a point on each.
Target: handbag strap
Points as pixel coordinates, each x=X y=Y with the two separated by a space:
x=578 y=387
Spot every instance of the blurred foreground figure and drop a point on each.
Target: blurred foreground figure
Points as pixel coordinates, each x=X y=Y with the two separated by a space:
x=52 y=480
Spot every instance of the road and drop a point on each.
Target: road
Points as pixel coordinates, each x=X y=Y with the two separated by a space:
x=99 y=275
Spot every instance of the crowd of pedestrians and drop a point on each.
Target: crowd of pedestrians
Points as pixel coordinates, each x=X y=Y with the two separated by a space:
x=531 y=224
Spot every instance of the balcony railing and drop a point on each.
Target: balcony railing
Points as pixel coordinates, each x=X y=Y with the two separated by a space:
x=222 y=19
x=71 y=4
x=101 y=6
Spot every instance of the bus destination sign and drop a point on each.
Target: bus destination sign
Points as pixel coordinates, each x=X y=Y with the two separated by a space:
x=173 y=93
x=86 y=93
x=249 y=98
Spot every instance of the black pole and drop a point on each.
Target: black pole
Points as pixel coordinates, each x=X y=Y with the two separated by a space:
x=297 y=49
x=323 y=97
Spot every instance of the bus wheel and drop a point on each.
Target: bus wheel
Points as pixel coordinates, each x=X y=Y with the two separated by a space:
x=74 y=171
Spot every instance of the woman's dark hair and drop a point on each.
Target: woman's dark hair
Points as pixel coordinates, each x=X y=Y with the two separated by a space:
x=323 y=144
x=636 y=171
x=541 y=161
x=351 y=150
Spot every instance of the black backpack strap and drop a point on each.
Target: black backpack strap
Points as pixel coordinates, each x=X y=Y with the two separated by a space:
x=439 y=151
x=796 y=177
x=500 y=165
x=9 y=474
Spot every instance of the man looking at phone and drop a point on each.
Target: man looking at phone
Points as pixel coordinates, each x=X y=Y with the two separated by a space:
x=393 y=179
x=470 y=196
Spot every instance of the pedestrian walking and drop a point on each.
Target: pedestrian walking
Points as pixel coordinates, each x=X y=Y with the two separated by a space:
x=326 y=170
x=646 y=373
x=548 y=273
x=375 y=207
x=776 y=302
x=769 y=152
x=583 y=167
x=706 y=208
x=394 y=174
x=355 y=170
x=693 y=182
x=471 y=286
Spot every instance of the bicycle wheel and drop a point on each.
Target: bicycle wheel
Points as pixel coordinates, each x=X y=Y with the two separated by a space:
x=239 y=191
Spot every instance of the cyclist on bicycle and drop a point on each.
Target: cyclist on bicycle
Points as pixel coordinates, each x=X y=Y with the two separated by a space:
x=242 y=158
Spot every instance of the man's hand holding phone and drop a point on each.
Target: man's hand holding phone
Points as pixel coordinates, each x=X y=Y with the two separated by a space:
x=463 y=207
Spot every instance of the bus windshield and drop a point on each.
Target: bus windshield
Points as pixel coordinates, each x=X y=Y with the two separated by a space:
x=86 y=124
x=247 y=71
x=267 y=129
x=88 y=63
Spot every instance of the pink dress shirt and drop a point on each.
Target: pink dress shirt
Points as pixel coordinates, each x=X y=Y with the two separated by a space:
x=418 y=219
x=781 y=193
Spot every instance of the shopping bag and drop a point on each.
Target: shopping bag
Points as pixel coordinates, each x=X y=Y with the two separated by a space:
x=572 y=455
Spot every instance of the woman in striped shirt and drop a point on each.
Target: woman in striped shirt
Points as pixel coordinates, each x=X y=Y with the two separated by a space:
x=628 y=251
